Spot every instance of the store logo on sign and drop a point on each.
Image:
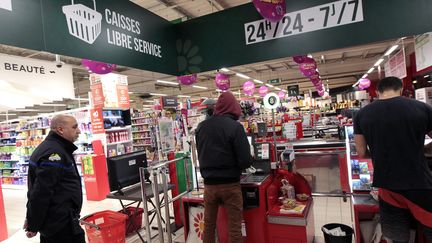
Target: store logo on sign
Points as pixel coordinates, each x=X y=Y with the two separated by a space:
x=6 y=4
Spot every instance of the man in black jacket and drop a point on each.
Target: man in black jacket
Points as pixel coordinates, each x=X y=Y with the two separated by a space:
x=223 y=151
x=54 y=186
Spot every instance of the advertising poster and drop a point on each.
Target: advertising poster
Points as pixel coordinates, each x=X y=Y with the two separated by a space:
x=396 y=65
x=166 y=135
x=423 y=51
x=97 y=96
x=97 y=122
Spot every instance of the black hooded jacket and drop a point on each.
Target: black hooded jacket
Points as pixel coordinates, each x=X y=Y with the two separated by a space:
x=54 y=186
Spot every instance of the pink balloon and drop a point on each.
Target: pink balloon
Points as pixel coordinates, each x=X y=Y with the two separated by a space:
x=98 y=67
x=299 y=59
x=315 y=77
x=321 y=92
x=271 y=10
x=249 y=88
x=308 y=68
x=222 y=81
x=281 y=94
x=364 y=83
x=263 y=91
x=187 y=79
x=319 y=86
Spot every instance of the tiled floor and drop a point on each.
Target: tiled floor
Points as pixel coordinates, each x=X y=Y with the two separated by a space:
x=326 y=210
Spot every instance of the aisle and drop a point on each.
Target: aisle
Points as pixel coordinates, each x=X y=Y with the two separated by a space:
x=326 y=210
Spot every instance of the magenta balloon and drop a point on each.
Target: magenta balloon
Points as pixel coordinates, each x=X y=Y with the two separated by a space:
x=315 y=77
x=271 y=10
x=365 y=83
x=319 y=86
x=249 y=88
x=98 y=67
x=281 y=94
x=222 y=81
x=187 y=79
x=321 y=92
x=316 y=81
x=299 y=59
x=308 y=68
x=263 y=91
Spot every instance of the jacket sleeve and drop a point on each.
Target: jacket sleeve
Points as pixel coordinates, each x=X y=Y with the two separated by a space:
x=46 y=173
x=241 y=148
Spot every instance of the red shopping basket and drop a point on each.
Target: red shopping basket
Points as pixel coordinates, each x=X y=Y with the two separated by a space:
x=105 y=227
x=134 y=221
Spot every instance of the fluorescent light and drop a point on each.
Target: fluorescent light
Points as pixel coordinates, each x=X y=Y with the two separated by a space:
x=204 y=97
x=391 y=50
x=224 y=69
x=278 y=88
x=310 y=56
x=379 y=62
x=258 y=81
x=426 y=76
x=371 y=70
x=80 y=99
x=183 y=96
x=52 y=105
x=284 y=90
x=322 y=57
x=218 y=90
x=157 y=94
x=414 y=81
x=242 y=76
x=166 y=82
x=130 y=92
x=199 y=87
x=149 y=101
x=269 y=85
x=365 y=75
x=257 y=96
x=9 y=114
x=238 y=93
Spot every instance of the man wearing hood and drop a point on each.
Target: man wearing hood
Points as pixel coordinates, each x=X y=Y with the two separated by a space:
x=223 y=152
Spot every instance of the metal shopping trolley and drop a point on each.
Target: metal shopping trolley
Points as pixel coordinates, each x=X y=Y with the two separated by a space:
x=83 y=22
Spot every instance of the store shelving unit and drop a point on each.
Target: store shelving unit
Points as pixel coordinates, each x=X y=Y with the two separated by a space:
x=142 y=135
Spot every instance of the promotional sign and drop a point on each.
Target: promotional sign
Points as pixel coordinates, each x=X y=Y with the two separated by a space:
x=293 y=90
x=306 y=20
x=26 y=82
x=271 y=101
x=423 y=51
x=109 y=90
x=97 y=122
x=169 y=102
x=396 y=65
x=166 y=135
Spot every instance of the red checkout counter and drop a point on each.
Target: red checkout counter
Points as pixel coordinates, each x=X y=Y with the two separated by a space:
x=262 y=219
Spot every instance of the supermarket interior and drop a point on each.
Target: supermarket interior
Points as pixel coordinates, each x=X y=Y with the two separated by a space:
x=140 y=75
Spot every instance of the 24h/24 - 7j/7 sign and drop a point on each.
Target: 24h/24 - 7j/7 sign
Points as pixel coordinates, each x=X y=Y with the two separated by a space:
x=307 y=20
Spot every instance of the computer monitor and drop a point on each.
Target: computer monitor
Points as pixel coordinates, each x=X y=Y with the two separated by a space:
x=123 y=170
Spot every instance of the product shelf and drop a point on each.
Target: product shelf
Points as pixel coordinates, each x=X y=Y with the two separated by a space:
x=8 y=138
x=141 y=138
x=8 y=144
x=117 y=129
x=140 y=124
x=146 y=130
x=121 y=142
x=31 y=129
x=137 y=118
x=9 y=168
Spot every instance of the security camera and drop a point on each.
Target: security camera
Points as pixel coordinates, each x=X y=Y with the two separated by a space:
x=58 y=62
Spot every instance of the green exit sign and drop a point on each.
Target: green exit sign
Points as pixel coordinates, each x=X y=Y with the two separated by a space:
x=274 y=81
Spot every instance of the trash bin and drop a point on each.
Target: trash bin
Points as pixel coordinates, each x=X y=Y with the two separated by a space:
x=328 y=238
x=105 y=227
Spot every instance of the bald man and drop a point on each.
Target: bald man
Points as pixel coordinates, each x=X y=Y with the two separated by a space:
x=54 y=186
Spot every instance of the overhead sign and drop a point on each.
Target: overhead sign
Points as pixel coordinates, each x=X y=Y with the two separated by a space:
x=423 y=51
x=26 y=82
x=274 y=81
x=271 y=101
x=307 y=20
x=293 y=90
x=109 y=90
x=6 y=4
x=396 y=65
x=169 y=102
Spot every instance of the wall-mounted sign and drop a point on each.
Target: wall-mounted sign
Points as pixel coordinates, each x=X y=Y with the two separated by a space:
x=26 y=82
x=293 y=90
x=396 y=65
x=306 y=20
x=423 y=51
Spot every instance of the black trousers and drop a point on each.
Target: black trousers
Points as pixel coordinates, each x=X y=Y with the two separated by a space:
x=71 y=233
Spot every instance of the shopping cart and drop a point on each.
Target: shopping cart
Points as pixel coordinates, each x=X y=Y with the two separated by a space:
x=83 y=22
x=105 y=227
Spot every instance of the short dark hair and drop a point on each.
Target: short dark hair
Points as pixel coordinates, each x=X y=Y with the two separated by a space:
x=389 y=83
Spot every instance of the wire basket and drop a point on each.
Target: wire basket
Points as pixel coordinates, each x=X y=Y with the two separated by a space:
x=83 y=22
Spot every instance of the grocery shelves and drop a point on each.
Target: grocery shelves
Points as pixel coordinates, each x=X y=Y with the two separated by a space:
x=121 y=142
x=114 y=129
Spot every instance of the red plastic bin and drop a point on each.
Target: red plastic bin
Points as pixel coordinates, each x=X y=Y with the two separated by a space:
x=134 y=221
x=105 y=227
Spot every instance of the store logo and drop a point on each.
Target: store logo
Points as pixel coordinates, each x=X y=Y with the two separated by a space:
x=6 y=4
x=83 y=22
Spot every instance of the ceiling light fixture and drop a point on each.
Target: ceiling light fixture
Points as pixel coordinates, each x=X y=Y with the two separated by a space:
x=269 y=85
x=371 y=70
x=166 y=82
x=414 y=81
x=224 y=69
x=364 y=75
x=183 y=96
x=379 y=62
x=242 y=76
x=391 y=50
x=258 y=81
x=9 y=114
x=157 y=94
x=278 y=88
x=199 y=87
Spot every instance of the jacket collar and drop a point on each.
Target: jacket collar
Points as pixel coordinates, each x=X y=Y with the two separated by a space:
x=68 y=145
x=235 y=118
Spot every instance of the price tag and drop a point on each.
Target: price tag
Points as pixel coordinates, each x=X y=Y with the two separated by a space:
x=307 y=20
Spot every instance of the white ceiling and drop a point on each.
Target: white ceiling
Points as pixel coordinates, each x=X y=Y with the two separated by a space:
x=340 y=67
